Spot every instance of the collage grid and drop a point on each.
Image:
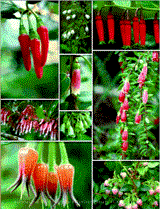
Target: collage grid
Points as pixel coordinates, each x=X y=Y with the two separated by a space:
x=85 y=173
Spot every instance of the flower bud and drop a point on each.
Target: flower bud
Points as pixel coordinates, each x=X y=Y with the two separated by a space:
x=125 y=105
x=107 y=191
x=64 y=12
x=123 y=117
x=125 y=146
x=155 y=57
x=117 y=119
x=158 y=189
x=123 y=174
x=137 y=118
x=121 y=203
x=125 y=135
x=73 y=16
x=106 y=183
x=115 y=191
x=155 y=203
x=121 y=96
x=145 y=96
x=126 y=87
x=139 y=202
x=87 y=16
x=135 y=206
x=76 y=81
x=151 y=191
x=145 y=164
x=68 y=17
x=120 y=194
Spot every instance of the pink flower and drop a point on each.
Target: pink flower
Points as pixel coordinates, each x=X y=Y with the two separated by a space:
x=117 y=119
x=158 y=189
x=107 y=191
x=151 y=191
x=155 y=203
x=125 y=146
x=135 y=206
x=121 y=96
x=120 y=194
x=139 y=202
x=145 y=70
x=106 y=183
x=76 y=81
x=121 y=110
x=125 y=135
x=145 y=96
x=145 y=164
x=129 y=207
x=123 y=174
x=94 y=148
x=155 y=57
x=123 y=117
x=125 y=105
x=121 y=203
x=126 y=87
x=137 y=118
x=115 y=191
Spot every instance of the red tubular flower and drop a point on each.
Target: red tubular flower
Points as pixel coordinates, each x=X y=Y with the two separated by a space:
x=117 y=119
x=40 y=178
x=127 y=30
x=100 y=28
x=110 y=24
x=156 y=29
x=124 y=146
x=126 y=87
x=142 y=28
x=76 y=81
x=65 y=175
x=138 y=118
x=145 y=96
x=125 y=105
x=121 y=96
x=123 y=116
x=35 y=48
x=136 y=29
x=27 y=158
x=43 y=33
x=122 y=30
x=125 y=135
x=52 y=184
x=24 y=41
x=155 y=57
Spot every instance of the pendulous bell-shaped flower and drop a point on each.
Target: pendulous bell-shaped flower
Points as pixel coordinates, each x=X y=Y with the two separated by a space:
x=40 y=179
x=27 y=158
x=65 y=174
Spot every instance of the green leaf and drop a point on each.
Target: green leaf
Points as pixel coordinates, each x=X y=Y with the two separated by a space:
x=142 y=171
x=153 y=164
x=95 y=187
x=126 y=188
x=40 y=112
x=144 y=188
x=124 y=3
x=137 y=183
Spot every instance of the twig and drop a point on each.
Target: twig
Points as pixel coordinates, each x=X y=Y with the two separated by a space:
x=9 y=136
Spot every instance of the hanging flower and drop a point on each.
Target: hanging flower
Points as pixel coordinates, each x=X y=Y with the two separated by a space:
x=65 y=174
x=27 y=158
x=76 y=81
x=52 y=184
x=40 y=178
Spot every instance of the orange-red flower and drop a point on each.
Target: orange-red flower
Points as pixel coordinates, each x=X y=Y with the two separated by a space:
x=52 y=184
x=40 y=178
x=27 y=158
x=65 y=174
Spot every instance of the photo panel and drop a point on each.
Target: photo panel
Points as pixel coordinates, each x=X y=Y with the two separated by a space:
x=129 y=184
x=76 y=82
x=29 y=46
x=46 y=175
x=29 y=120
x=125 y=25
x=126 y=105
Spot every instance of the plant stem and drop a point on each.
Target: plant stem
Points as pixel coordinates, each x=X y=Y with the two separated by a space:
x=52 y=156
x=39 y=150
x=63 y=152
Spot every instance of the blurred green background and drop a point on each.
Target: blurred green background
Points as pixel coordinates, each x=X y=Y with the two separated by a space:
x=79 y=155
x=16 y=82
